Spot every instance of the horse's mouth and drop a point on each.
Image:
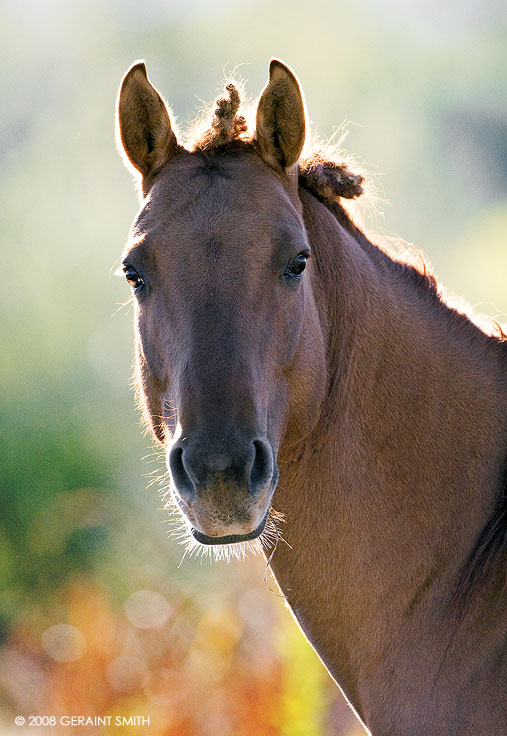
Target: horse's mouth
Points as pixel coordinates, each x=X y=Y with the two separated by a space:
x=231 y=538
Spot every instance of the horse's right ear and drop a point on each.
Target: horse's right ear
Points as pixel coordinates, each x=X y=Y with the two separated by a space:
x=143 y=122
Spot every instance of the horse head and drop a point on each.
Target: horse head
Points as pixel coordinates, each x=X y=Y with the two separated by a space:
x=229 y=343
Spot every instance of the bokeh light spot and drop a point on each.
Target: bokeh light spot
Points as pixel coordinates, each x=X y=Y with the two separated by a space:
x=63 y=643
x=147 y=609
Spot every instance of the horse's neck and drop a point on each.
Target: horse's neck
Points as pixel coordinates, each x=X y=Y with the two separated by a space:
x=386 y=499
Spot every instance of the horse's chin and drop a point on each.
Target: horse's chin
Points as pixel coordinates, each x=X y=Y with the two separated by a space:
x=230 y=538
x=237 y=545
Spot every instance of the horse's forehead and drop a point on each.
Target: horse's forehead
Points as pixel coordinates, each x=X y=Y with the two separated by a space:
x=233 y=195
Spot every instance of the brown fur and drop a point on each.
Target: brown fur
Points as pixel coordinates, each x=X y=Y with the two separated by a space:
x=385 y=410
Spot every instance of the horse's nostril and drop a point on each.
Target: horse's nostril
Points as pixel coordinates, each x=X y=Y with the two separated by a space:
x=196 y=469
x=180 y=476
x=262 y=467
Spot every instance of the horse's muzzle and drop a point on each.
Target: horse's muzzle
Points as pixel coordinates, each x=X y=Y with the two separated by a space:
x=224 y=488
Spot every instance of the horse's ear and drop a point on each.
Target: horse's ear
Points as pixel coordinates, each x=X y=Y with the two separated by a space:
x=143 y=122
x=280 y=133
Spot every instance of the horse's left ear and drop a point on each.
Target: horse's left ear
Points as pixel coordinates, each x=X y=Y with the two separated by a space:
x=280 y=133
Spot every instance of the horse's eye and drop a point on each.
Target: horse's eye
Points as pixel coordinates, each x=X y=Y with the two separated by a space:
x=133 y=277
x=297 y=266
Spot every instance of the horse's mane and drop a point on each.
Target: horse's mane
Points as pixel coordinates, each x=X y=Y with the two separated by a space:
x=329 y=180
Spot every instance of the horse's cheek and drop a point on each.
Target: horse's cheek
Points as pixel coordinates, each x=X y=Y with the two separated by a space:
x=306 y=399
x=152 y=375
x=307 y=380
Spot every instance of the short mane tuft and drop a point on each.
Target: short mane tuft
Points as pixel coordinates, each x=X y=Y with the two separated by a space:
x=226 y=125
x=329 y=179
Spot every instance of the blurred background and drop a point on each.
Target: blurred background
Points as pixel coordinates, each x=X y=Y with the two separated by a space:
x=96 y=616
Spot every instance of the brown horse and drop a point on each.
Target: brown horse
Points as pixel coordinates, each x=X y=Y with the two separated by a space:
x=284 y=358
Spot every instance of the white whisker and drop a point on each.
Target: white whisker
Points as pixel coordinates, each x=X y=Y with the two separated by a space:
x=181 y=532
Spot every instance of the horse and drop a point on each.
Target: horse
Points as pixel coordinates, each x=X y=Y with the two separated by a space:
x=284 y=359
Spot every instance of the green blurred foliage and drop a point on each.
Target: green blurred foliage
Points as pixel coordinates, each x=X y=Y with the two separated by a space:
x=424 y=86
